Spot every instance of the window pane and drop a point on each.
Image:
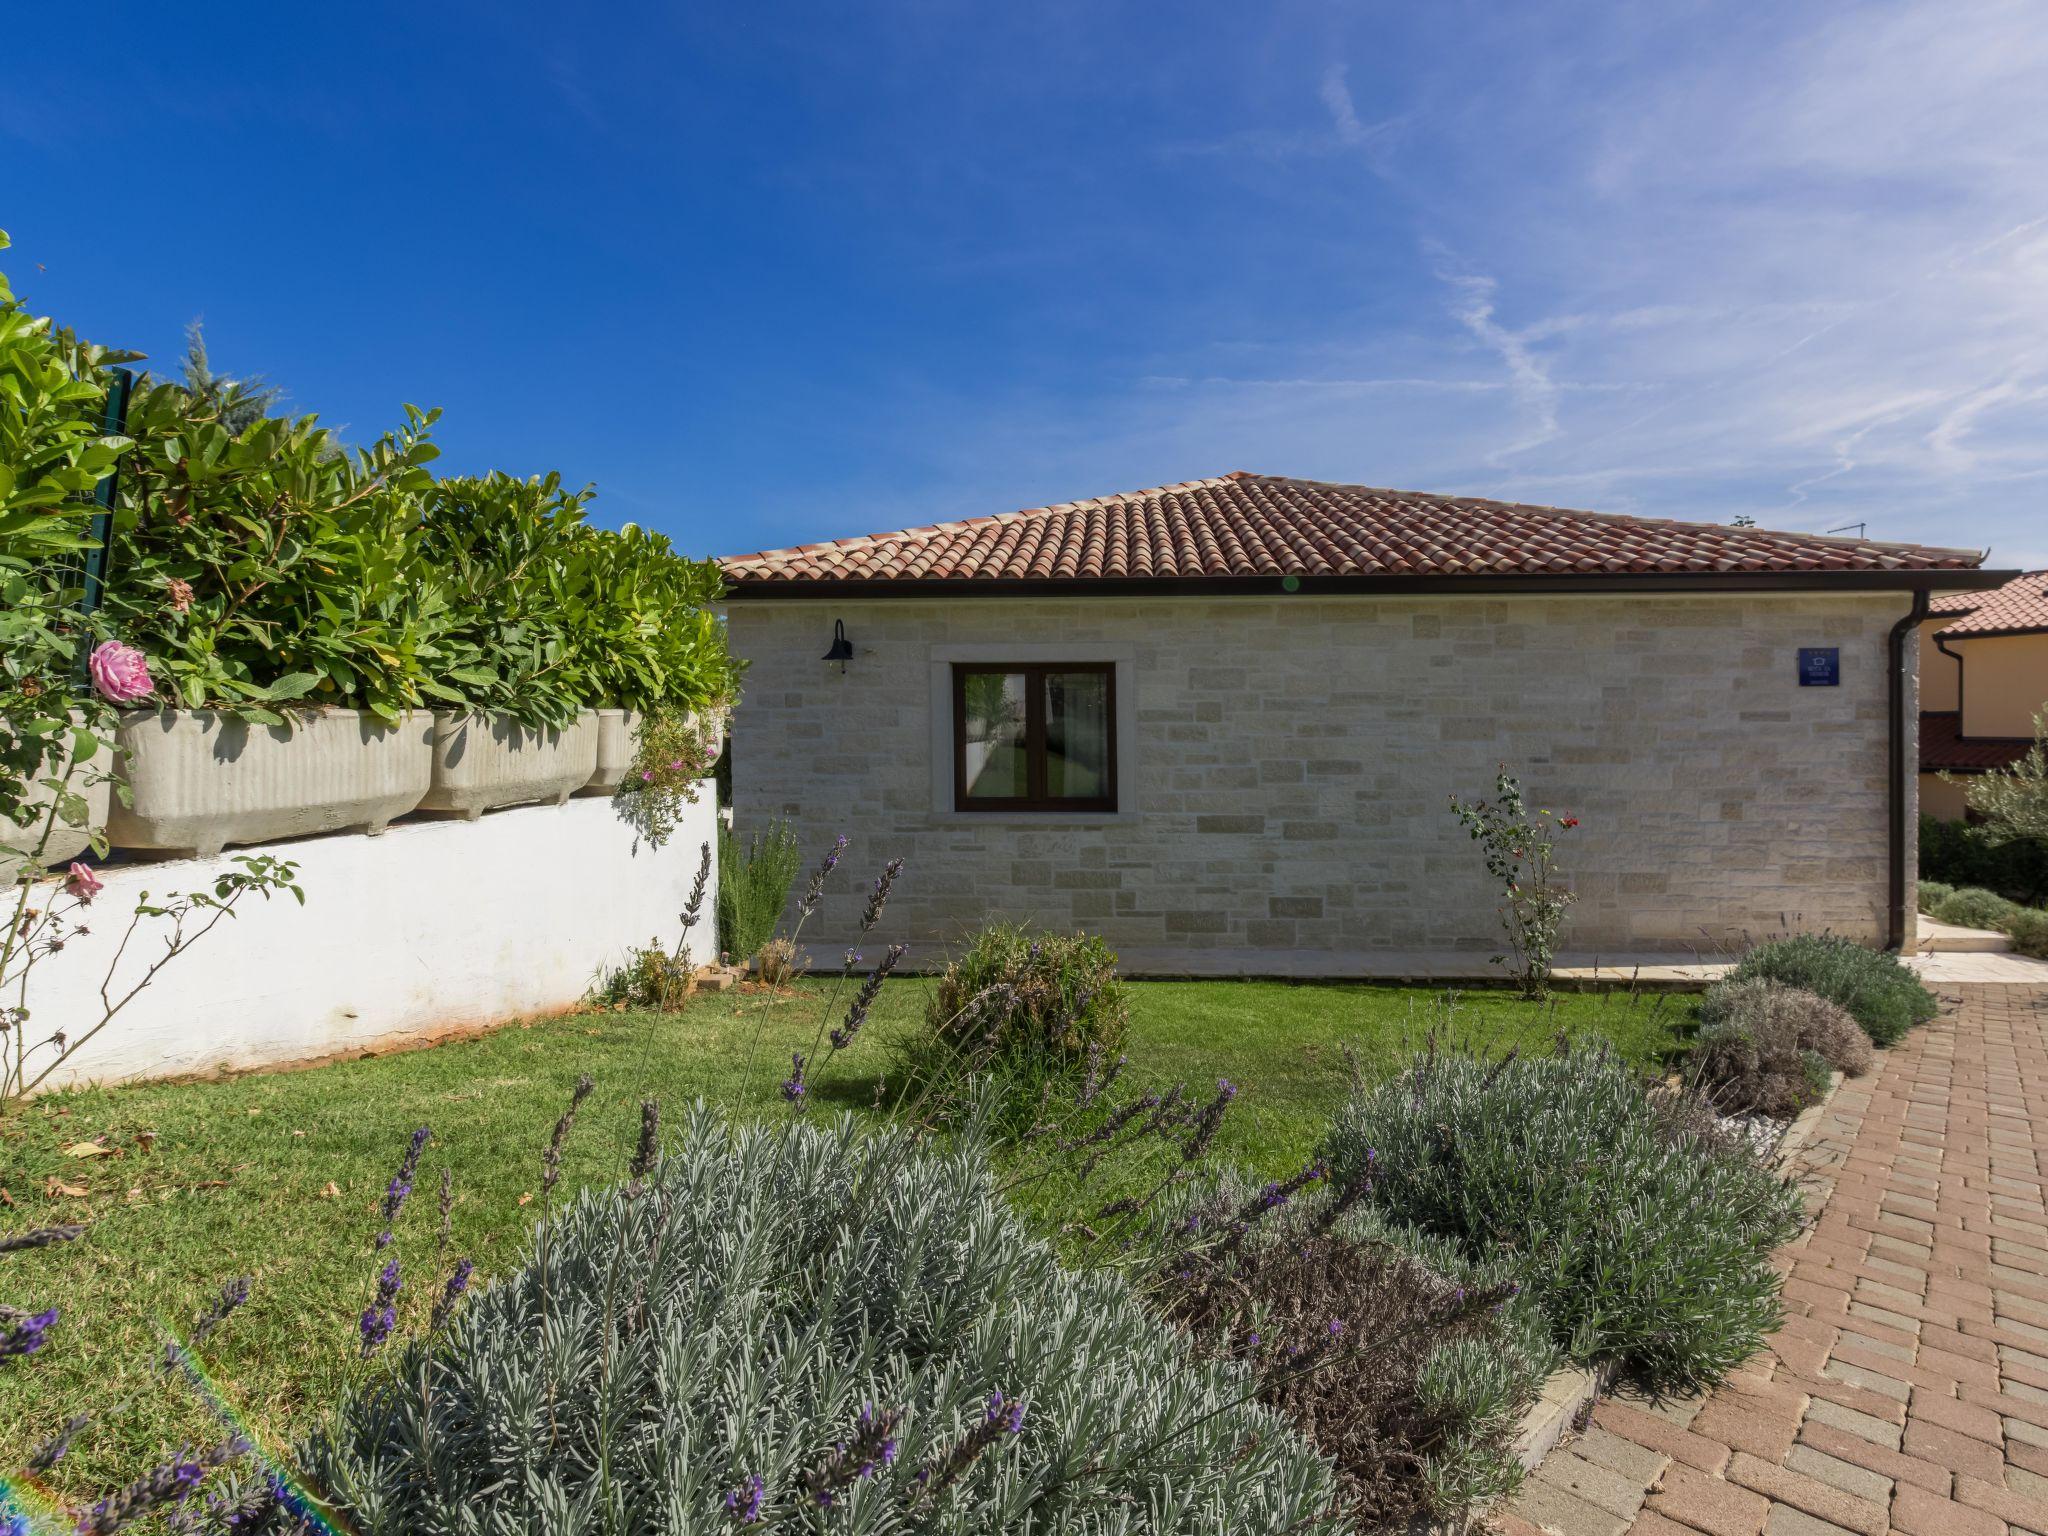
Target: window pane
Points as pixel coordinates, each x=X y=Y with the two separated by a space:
x=994 y=745
x=1077 y=735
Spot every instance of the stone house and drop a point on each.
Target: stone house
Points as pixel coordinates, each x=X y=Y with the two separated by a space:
x=1983 y=679
x=1218 y=722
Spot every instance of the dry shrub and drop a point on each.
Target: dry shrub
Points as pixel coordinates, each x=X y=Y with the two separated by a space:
x=1409 y=1375
x=1765 y=1048
x=1810 y=1020
x=1017 y=991
x=1744 y=1075
x=650 y=978
x=1879 y=990
x=779 y=964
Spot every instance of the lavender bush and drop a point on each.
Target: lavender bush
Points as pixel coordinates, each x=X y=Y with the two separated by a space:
x=806 y=1328
x=1644 y=1237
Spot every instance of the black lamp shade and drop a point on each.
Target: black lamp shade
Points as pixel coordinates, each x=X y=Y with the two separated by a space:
x=842 y=648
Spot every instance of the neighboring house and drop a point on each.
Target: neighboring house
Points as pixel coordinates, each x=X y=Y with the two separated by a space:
x=1983 y=679
x=1218 y=722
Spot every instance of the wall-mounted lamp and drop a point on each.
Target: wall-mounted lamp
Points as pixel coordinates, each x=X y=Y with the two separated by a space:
x=842 y=648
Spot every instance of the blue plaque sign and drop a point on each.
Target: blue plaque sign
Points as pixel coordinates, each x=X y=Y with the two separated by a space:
x=1820 y=666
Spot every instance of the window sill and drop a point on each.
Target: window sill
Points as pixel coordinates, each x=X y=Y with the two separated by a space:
x=1032 y=818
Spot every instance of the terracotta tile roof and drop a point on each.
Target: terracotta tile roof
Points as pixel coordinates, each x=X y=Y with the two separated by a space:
x=1244 y=525
x=2017 y=607
x=1942 y=747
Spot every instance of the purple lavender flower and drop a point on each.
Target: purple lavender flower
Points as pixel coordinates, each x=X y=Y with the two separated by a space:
x=178 y=1353
x=1209 y=1121
x=41 y=1237
x=1094 y=1087
x=816 y=889
x=793 y=1086
x=232 y=1295
x=879 y=897
x=857 y=1011
x=1000 y=1416
x=650 y=1141
x=1009 y=1415
x=25 y=1336
x=269 y=1509
x=451 y=1293
x=884 y=1453
x=551 y=1159
x=872 y=1447
x=52 y=1450
x=744 y=1502
x=694 y=908
x=382 y=1314
x=400 y=1187
x=171 y=1483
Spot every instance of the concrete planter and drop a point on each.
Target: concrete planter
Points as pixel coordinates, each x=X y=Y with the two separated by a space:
x=66 y=842
x=484 y=761
x=200 y=780
x=618 y=738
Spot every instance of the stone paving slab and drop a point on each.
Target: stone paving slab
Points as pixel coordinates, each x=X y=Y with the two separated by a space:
x=1906 y=1393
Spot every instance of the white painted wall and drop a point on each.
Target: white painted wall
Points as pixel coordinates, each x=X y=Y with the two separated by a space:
x=431 y=928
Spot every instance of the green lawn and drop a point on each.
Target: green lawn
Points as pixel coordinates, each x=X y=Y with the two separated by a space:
x=278 y=1176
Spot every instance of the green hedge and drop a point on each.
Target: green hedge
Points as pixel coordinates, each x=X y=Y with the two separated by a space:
x=1955 y=853
x=1973 y=907
x=259 y=562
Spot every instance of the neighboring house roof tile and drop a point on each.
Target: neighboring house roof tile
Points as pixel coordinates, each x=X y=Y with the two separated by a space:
x=2018 y=607
x=1943 y=747
x=1246 y=525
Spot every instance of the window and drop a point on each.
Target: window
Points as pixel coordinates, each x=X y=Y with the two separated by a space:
x=1039 y=737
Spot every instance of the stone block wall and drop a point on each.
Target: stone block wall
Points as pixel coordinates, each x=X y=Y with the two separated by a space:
x=1286 y=764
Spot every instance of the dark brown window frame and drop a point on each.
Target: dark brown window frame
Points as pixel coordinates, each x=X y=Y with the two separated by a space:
x=1036 y=799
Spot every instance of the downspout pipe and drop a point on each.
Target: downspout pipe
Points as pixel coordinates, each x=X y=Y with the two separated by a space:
x=1941 y=645
x=1903 y=730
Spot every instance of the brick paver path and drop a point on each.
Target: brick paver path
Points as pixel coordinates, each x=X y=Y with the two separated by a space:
x=1908 y=1390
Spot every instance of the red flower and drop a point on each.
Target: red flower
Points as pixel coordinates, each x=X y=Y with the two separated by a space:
x=1568 y=821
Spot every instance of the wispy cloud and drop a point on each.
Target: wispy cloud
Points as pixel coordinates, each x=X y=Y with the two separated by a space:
x=1346 y=132
x=1336 y=94
x=1529 y=377
x=1808 y=282
x=1786 y=261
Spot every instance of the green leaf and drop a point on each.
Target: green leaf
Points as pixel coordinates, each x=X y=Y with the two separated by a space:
x=293 y=685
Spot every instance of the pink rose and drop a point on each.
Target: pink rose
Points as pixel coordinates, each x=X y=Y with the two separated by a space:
x=82 y=883
x=121 y=673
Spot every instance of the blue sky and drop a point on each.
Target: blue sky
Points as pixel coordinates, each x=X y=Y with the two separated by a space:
x=775 y=273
